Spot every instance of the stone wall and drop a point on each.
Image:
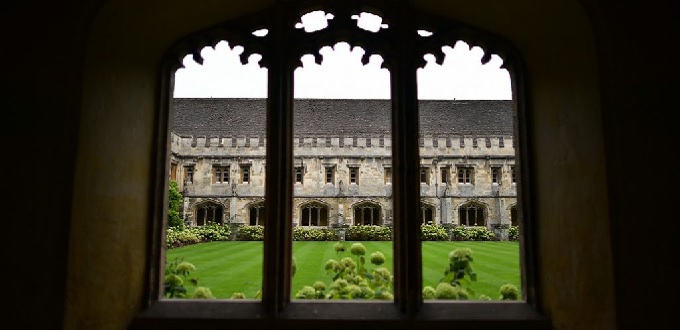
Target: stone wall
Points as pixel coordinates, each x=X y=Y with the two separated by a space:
x=370 y=157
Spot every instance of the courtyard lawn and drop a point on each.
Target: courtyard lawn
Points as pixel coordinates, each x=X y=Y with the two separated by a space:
x=228 y=267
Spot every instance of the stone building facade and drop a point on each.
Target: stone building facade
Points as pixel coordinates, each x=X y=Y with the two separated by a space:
x=343 y=161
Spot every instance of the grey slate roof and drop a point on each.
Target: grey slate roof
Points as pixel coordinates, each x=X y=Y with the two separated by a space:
x=226 y=117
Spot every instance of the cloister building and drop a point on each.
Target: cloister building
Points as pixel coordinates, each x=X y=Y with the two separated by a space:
x=343 y=161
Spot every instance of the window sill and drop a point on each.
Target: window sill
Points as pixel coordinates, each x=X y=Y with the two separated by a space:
x=203 y=314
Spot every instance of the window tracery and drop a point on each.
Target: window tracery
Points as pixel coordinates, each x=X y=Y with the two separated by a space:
x=403 y=37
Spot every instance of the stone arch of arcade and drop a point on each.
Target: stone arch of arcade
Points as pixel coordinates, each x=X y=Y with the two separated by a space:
x=428 y=212
x=255 y=212
x=313 y=213
x=367 y=212
x=207 y=211
x=472 y=213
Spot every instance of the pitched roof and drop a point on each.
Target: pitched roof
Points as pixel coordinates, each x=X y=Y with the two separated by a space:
x=333 y=117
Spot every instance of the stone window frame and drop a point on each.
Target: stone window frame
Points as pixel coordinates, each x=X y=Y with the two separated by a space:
x=189 y=171
x=497 y=175
x=403 y=51
x=445 y=174
x=465 y=174
x=354 y=173
x=387 y=171
x=424 y=174
x=246 y=171
x=329 y=171
x=299 y=174
x=221 y=174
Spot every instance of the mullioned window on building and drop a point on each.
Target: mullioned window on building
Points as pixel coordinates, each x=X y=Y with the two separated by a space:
x=465 y=175
x=245 y=173
x=189 y=174
x=220 y=174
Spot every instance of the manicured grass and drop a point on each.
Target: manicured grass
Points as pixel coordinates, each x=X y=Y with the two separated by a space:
x=228 y=267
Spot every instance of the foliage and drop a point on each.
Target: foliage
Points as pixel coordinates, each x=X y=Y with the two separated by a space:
x=474 y=233
x=176 y=275
x=180 y=237
x=431 y=232
x=351 y=279
x=457 y=278
x=314 y=234
x=509 y=292
x=250 y=233
x=176 y=237
x=369 y=233
x=339 y=248
x=212 y=231
x=238 y=295
x=175 y=201
x=513 y=233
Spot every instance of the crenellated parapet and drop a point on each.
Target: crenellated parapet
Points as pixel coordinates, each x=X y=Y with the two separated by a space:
x=343 y=146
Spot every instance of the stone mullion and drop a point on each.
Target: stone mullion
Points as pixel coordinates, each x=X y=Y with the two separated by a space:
x=277 y=263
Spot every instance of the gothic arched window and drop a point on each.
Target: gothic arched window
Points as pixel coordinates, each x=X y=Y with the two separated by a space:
x=313 y=214
x=209 y=212
x=367 y=213
x=426 y=214
x=256 y=214
x=276 y=35
x=472 y=214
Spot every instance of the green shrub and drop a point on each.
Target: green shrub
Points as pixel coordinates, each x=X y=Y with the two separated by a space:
x=238 y=295
x=448 y=291
x=369 y=233
x=174 y=203
x=177 y=237
x=513 y=233
x=457 y=278
x=177 y=276
x=180 y=237
x=429 y=293
x=475 y=233
x=202 y=292
x=250 y=233
x=212 y=232
x=430 y=232
x=314 y=234
x=509 y=292
x=339 y=247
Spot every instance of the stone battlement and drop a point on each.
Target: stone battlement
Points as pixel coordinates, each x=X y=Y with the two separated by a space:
x=342 y=146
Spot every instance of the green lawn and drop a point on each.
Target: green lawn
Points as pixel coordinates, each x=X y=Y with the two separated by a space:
x=228 y=267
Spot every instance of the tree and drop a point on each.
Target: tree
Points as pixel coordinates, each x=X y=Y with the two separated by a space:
x=175 y=201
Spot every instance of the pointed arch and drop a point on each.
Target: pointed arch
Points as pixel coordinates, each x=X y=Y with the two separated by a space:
x=427 y=212
x=313 y=213
x=512 y=209
x=208 y=211
x=256 y=213
x=367 y=213
x=472 y=213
